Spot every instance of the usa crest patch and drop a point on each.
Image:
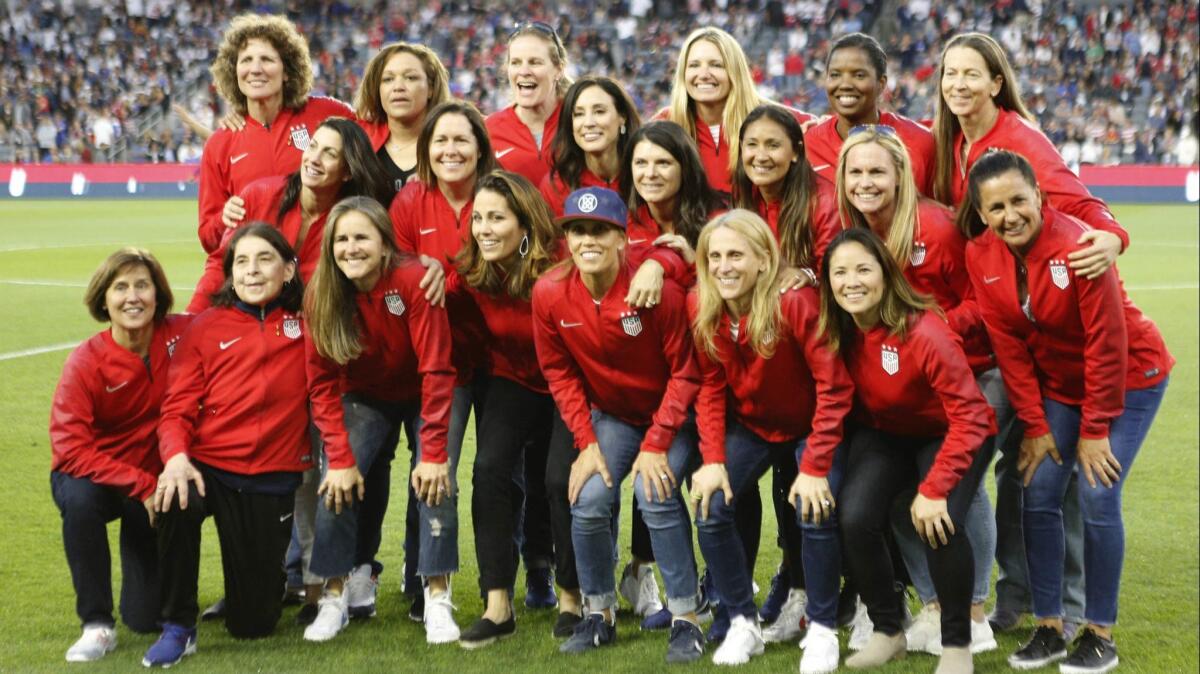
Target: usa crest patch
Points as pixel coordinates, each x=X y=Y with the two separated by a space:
x=631 y=323
x=1059 y=275
x=917 y=256
x=291 y=327
x=395 y=305
x=300 y=137
x=890 y=359
x=171 y=345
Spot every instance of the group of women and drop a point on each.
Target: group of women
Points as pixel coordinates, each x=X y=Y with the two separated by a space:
x=732 y=288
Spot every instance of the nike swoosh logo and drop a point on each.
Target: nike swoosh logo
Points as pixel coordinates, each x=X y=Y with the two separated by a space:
x=634 y=241
x=990 y=279
x=284 y=518
x=234 y=160
x=568 y=325
x=428 y=231
x=820 y=167
x=501 y=153
x=118 y=387
x=226 y=345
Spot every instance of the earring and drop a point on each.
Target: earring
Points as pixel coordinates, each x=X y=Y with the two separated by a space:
x=523 y=249
x=622 y=129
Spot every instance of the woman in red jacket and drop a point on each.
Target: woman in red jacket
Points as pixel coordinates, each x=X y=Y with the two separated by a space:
x=920 y=420
x=513 y=242
x=233 y=436
x=623 y=379
x=1085 y=370
x=380 y=348
x=105 y=452
x=712 y=93
x=590 y=140
x=762 y=356
x=855 y=78
x=877 y=191
x=522 y=134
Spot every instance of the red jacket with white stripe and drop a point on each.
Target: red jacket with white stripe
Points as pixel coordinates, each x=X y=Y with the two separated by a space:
x=238 y=398
x=234 y=159
x=405 y=357
x=1063 y=189
x=106 y=407
x=803 y=390
x=823 y=144
x=1087 y=343
x=514 y=145
x=921 y=386
x=634 y=364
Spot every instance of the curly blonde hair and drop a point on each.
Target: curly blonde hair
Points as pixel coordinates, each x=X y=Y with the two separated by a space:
x=284 y=37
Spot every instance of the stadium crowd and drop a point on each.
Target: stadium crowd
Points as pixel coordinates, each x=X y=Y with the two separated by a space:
x=1109 y=83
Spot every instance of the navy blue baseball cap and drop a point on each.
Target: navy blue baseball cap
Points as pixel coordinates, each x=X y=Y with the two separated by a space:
x=595 y=204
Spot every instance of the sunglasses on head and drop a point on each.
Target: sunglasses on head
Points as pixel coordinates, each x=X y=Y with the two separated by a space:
x=882 y=129
x=535 y=26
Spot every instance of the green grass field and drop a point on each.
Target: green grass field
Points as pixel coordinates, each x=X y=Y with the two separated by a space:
x=48 y=250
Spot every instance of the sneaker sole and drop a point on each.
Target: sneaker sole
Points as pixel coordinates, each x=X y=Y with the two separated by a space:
x=1034 y=664
x=367 y=611
x=484 y=643
x=1072 y=669
x=190 y=650
x=323 y=638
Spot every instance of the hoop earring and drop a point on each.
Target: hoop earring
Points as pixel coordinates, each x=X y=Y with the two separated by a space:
x=523 y=249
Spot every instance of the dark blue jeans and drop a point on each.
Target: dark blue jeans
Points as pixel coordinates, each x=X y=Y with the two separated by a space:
x=86 y=509
x=747 y=458
x=1103 y=529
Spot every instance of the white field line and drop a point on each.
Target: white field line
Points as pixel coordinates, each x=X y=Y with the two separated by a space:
x=63 y=284
x=21 y=248
x=13 y=355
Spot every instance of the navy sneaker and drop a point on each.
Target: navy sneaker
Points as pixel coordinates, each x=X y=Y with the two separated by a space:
x=1093 y=654
x=173 y=644
x=686 y=644
x=539 y=589
x=720 y=625
x=1044 y=647
x=660 y=620
x=776 y=596
x=591 y=632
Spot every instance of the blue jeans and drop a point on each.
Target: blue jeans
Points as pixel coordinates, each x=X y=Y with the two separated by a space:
x=1103 y=529
x=344 y=541
x=592 y=521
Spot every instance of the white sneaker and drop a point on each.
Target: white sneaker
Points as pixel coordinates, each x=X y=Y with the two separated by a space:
x=332 y=616
x=983 y=639
x=790 y=623
x=95 y=642
x=861 y=628
x=820 y=650
x=640 y=590
x=925 y=633
x=743 y=641
x=440 y=627
x=360 y=592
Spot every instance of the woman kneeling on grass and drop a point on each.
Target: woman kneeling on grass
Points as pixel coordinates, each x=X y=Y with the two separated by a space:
x=105 y=450
x=233 y=437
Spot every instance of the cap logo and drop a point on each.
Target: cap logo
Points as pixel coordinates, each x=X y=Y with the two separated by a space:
x=588 y=203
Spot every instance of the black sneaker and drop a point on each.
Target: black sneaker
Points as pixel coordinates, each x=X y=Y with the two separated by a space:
x=687 y=642
x=416 y=612
x=564 y=627
x=306 y=615
x=1044 y=647
x=591 y=632
x=485 y=633
x=1093 y=654
x=214 y=612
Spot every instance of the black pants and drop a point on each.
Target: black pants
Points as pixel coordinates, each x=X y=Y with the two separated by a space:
x=512 y=420
x=86 y=509
x=879 y=467
x=783 y=474
x=254 y=530
x=537 y=544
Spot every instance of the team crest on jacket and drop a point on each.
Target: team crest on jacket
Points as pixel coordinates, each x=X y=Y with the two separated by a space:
x=890 y=359
x=394 y=304
x=291 y=327
x=171 y=345
x=917 y=256
x=631 y=323
x=1058 y=274
x=300 y=137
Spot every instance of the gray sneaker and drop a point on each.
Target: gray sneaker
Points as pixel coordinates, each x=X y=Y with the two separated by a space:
x=687 y=642
x=592 y=632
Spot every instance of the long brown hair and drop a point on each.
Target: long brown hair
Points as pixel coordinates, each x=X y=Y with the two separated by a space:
x=514 y=277
x=569 y=161
x=945 y=123
x=366 y=175
x=898 y=307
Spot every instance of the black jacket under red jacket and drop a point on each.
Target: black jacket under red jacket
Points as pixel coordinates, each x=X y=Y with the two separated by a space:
x=106 y=407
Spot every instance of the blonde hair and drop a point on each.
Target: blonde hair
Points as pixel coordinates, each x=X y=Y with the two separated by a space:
x=283 y=36
x=743 y=95
x=899 y=235
x=765 y=316
x=945 y=123
x=367 y=104
x=558 y=52
x=330 y=305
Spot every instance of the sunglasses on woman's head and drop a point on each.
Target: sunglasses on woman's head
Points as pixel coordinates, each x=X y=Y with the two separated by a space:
x=882 y=129
x=536 y=26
